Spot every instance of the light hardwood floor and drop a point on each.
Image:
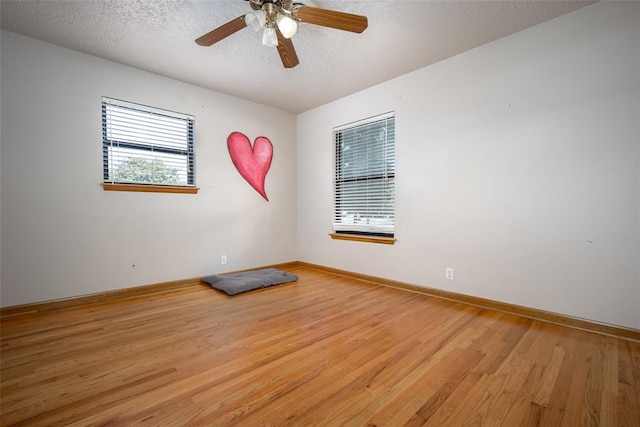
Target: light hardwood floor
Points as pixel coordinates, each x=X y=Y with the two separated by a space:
x=324 y=351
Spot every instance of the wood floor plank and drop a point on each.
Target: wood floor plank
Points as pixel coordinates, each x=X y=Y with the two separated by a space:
x=628 y=384
x=325 y=350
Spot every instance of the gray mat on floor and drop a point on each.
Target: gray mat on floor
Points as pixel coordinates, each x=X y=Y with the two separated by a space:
x=245 y=281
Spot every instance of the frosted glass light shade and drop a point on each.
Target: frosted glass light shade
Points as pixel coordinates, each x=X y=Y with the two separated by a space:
x=287 y=26
x=255 y=20
x=269 y=37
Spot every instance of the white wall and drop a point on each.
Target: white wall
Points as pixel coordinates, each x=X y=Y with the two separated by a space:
x=517 y=165
x=62 y=235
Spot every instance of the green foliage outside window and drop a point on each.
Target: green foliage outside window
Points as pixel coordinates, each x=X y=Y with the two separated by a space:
x=145 y=170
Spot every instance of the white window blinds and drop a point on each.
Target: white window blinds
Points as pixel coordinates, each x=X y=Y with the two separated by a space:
x=146 y=145
x=365 y=176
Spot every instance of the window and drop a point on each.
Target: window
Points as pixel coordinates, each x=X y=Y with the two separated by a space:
x=365 y=177
x=146 y=148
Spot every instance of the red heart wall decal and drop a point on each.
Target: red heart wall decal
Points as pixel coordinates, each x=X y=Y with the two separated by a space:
x=253 y=163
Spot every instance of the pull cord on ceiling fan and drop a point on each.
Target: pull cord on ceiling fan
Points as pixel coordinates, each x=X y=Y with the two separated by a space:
x=278 y=19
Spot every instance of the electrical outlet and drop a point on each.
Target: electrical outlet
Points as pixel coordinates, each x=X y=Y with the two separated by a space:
x=223 y=259
x=449 y=274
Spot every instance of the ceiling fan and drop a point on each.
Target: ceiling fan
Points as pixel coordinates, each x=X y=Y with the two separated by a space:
x=278 y=20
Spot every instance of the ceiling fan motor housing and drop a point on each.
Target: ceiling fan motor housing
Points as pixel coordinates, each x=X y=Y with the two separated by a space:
x=283 y=5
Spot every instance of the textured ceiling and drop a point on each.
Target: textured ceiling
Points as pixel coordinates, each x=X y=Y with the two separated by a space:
x=158 y=36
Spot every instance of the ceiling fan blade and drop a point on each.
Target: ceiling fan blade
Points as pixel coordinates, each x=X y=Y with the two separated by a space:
x=221 y=32
x=331 y=18
x=287 y=52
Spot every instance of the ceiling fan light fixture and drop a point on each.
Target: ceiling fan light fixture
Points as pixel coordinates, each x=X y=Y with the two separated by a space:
x=255 y=20
x=286 y=25
x=269 y=37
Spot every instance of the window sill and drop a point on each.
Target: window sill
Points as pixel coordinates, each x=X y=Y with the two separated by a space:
x=363 y=238
x=107 y=186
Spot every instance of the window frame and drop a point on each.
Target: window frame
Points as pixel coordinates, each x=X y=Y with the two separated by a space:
x=188 y=151
x=384 y=233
